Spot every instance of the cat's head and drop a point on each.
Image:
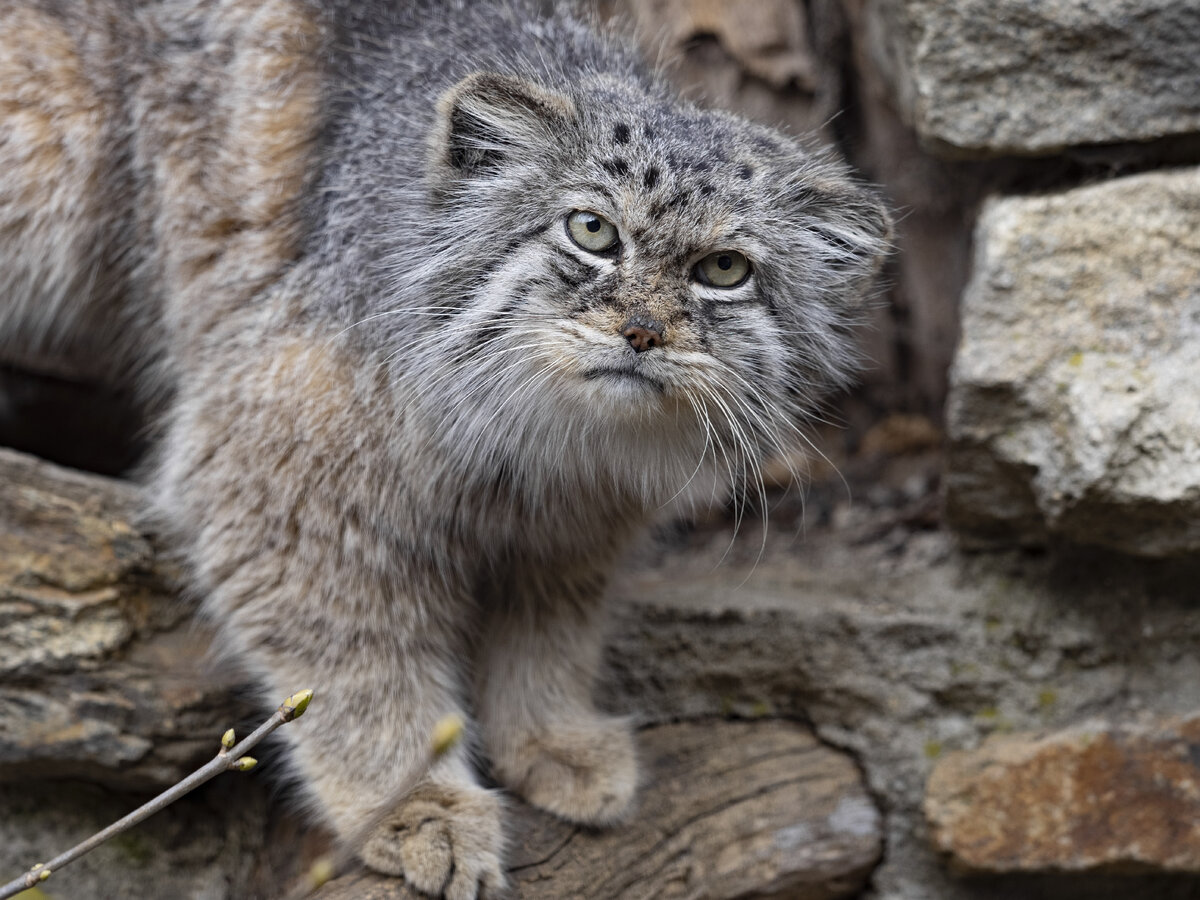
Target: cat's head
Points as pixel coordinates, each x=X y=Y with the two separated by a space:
x=614 y=255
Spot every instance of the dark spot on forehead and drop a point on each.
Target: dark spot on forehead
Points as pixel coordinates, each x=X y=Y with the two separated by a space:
x=648 y=131
x=680 y=199
x=745 y=172
x=707 y=189
x=616 y=167
x=621 y=134
x=650 y=178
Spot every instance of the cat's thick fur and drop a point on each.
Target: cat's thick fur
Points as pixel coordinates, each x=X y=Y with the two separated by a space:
x=405 y=432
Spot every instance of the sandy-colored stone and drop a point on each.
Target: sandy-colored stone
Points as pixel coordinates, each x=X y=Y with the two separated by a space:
x=1090 y=797
x=1074 y=405
x=1034 y=76
x=768 y=37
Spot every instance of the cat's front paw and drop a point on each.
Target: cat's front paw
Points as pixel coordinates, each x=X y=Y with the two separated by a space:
x=445 y=840
x=584 y=772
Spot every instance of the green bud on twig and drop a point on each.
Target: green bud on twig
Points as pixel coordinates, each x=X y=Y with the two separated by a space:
x=291 y=708
x=294 y=706
x=37 y=872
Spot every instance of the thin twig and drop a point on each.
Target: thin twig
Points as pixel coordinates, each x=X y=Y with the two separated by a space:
x=229 y=757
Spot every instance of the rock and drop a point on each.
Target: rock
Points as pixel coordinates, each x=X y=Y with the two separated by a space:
x=775 y=61
x=903 y=651
x=1093 y=796
x=900 y=434
x=729 y=810
x=768 y=38
x=1074 y=405
x=1033 y=76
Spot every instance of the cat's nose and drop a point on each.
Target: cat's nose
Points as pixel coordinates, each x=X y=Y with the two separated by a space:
x=643 y=333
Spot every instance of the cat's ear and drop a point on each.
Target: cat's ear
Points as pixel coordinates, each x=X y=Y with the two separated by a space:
x=854 y=225
x=487 y=120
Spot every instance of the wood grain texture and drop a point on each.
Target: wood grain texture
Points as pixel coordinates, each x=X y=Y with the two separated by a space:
x=104 y=676
x=728 y=810
x=103 y=672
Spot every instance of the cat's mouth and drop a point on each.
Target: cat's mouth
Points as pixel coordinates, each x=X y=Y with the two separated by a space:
x=627 y=375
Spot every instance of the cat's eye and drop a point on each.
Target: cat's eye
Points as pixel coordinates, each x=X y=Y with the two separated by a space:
x=591 y=232
x=723 y=269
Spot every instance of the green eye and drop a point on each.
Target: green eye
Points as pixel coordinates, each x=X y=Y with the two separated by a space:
x=723 y=269
x=591 y=232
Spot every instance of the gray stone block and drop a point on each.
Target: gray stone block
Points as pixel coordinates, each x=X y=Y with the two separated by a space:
x=1034 y=76
x=1075 y=398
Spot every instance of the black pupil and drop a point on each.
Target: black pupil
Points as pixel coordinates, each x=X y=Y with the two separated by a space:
x=593 y=225
x=725 y=263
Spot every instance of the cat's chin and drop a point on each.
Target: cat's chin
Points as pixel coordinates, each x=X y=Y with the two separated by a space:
x=622 y=394
x=625 y=378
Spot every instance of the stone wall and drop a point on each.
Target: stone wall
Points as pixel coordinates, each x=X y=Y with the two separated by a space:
x=991 y=696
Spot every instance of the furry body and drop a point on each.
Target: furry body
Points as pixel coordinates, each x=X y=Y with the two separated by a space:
x=405 y=433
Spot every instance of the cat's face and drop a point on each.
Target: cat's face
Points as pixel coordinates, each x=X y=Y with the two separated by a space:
x=661 y=267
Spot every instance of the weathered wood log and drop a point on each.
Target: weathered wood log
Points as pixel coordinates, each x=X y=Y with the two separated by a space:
x=104 y=676
x=103 y=671
x=729 y=809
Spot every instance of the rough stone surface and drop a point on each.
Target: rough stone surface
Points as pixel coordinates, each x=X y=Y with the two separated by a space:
x=1074 y=405
x=901 y=650
x=767 y=37
x=1089 y=797
x=775 y=61
x=1035 y=76
x=729 y=810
